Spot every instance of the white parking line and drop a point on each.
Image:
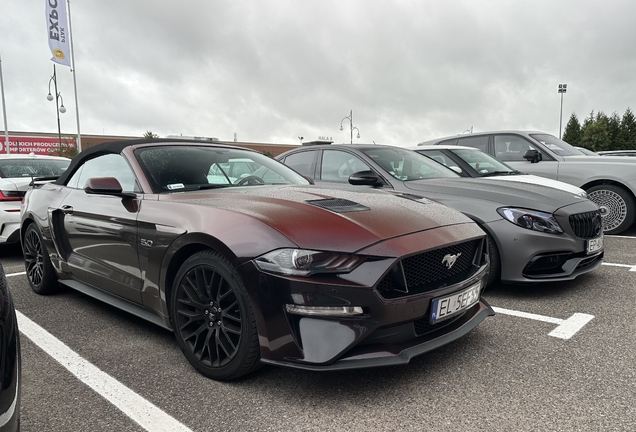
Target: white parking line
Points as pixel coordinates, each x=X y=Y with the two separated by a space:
x=571 y=326
x=143 y=412
x=629 y=266
x=16 y=274
x=618 y=236
x=565 y=329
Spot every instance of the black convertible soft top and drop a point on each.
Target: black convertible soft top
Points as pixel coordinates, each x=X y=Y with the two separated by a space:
x=117 y=147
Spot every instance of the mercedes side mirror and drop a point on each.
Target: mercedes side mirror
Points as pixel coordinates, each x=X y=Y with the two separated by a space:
x=366 y=178
x=533 y=156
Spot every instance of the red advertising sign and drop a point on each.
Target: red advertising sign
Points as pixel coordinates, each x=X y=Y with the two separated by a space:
x=37 y=145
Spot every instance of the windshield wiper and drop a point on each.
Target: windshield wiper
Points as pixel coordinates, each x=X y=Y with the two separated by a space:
x=213 y=186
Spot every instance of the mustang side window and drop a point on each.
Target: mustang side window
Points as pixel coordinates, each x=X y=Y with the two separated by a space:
x=108 y=165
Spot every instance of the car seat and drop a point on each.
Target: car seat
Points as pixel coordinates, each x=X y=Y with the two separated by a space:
x=500 y=148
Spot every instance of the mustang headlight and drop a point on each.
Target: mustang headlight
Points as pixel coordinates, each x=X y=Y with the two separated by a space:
x=302 y=262
x=531 y=219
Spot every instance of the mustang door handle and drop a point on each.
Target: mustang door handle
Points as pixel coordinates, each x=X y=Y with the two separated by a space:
x=67 y=209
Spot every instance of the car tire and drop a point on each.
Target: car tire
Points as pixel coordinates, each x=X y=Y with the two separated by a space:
x=213 y=319
x=37 y=263
x=618 y=205
x=495 y=263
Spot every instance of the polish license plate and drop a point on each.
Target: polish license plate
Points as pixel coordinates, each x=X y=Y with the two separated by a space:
x=444 y=307
x=594 y=245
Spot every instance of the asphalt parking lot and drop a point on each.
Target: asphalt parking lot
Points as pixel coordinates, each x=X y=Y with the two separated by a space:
x=556 y=357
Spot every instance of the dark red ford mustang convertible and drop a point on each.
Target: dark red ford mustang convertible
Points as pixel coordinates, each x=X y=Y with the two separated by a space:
x=248 y=263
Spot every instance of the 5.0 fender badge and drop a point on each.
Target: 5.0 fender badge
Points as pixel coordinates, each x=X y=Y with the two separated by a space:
x=146 y=243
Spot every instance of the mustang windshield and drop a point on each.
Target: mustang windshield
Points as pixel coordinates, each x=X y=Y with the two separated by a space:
x=406 y=164
x=181 y=168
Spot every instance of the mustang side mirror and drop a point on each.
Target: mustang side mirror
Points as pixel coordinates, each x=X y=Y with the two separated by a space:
x=106 y=186
x=366 y=178
x=457 y=169
x=533 y=156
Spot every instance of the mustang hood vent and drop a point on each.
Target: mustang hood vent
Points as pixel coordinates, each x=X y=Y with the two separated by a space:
x=338 y=205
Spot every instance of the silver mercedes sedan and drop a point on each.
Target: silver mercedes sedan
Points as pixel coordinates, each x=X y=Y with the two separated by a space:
x=536 y=233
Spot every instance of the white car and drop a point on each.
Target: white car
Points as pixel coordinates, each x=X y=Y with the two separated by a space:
x=586 y=152
x=16 y=173
x=617 y=153
x=472 y=162
x=610 y=181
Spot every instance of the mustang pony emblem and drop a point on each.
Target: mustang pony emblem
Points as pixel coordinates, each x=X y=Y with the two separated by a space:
x=449 y=260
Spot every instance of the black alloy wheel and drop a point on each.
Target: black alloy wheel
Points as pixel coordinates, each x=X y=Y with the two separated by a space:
x=213 y=319
x=37 y=263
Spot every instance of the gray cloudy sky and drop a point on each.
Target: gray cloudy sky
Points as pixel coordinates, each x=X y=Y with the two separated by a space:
x=274 y=70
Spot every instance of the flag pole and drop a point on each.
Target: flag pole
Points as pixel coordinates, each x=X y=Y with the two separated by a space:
x=4 y=110
x=70 y=34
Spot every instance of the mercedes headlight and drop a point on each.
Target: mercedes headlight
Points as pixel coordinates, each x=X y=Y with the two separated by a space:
x=531 y=219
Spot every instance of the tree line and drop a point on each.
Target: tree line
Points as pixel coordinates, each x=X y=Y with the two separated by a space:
x=600 y=132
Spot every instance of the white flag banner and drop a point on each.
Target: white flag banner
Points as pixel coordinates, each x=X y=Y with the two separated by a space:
x=57 y=26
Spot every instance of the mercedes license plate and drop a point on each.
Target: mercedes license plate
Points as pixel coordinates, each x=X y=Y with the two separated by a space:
x=444 y=307
x=594 y=245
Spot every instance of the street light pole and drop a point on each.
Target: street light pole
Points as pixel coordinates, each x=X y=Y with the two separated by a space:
x=58 y=108
x=562 y=89
x=351 y=126
x=4 y=112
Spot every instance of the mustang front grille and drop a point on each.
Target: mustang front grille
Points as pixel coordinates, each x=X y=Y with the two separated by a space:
x=586 y=225
x=432 y=269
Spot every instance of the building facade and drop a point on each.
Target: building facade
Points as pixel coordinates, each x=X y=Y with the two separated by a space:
x=46 y=143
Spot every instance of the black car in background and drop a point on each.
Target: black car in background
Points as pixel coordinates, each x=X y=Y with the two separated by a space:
x=10 y=361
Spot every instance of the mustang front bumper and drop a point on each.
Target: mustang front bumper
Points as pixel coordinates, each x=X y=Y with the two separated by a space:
x=389 y=331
